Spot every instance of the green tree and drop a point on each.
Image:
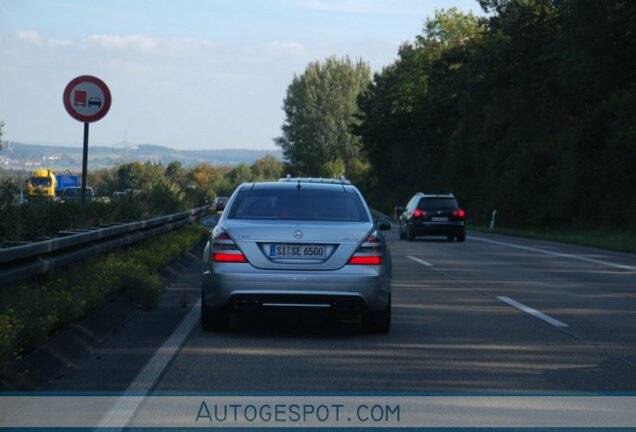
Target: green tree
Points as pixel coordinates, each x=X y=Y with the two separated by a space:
x=103 y=180
x=450 y=28
x=174 y=170
x=407 y=116
x=320 y=108
x=163 y=196
x=207 y=181
x=528 y=111
x=9 y=211
x=267 y=168
x=137 y=175
x=240 y=174
x=334 y=168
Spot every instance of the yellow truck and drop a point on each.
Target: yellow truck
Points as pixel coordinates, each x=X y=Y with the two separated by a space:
x=42 y=183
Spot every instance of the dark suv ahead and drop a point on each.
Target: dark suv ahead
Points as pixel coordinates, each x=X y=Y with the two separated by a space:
x=433 y=214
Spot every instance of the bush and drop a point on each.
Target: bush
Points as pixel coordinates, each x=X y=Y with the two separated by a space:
x=144 y=291
x=164 y=197
x=31 y=311
x=9 y=329
x=133 y=278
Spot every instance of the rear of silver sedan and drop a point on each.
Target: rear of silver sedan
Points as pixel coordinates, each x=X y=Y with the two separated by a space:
x=301 y=245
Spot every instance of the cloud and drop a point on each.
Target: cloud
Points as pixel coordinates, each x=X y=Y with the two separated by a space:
x=138 y=43
x=283 y=49
x=150 y=46
x=161 y=48
x=59 y=42
x=31 y=36
x=34 y=38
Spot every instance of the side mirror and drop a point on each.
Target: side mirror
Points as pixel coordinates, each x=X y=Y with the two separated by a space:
x=210 y=221
x=383 y=224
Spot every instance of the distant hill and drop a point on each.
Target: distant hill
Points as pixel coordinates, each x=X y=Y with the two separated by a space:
x=27 y=156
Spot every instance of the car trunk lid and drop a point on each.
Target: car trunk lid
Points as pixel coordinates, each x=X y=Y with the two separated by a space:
x=298 y=245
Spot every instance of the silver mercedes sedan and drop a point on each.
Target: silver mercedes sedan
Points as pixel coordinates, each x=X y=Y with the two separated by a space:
x=297 y=243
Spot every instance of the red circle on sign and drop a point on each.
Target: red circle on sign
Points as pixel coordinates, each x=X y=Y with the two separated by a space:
x=76 y=101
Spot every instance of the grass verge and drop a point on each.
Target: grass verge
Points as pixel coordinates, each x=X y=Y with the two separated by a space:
x=32 y=310
x=616 y=241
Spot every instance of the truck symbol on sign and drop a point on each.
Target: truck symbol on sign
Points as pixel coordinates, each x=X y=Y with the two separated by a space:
x=79 y=98
x=95 y=101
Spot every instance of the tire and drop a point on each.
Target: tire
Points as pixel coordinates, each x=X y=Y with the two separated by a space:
x=402 y=233
x=461 y=237
x=214 y=319
x=450 y=237
x=378 y=322
x=410 y=233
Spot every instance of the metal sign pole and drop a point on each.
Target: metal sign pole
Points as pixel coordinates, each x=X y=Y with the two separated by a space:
x=84 y=171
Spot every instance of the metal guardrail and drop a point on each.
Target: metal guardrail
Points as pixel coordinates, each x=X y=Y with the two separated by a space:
x=379 y=215
x=24 y=261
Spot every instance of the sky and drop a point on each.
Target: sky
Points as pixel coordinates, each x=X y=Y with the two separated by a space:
x=186 y=74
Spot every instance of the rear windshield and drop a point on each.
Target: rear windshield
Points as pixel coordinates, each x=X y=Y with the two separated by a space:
x=438 y=203
x=304 y=204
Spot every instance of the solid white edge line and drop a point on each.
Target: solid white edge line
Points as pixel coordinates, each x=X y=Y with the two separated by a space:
x=421 y=261
x=126 y=406
x=533 y=312
x=557 y=254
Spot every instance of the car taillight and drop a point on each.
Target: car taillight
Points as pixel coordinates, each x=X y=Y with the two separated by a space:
x=369 y=252
x=225 y=250
x=228 y=257
x=365 y=260
x=418 y=213
x=371 y=242
x=459 y=212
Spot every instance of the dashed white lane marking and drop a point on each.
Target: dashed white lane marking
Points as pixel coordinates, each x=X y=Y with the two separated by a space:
x=557 y=254
x=421 y=261
x=126 y=406
x=533 y=312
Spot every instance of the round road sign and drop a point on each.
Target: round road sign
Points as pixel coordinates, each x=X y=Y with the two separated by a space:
x=87 y=98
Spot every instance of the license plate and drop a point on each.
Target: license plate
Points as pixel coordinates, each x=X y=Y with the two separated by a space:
x=439 y=219
x=297 y=251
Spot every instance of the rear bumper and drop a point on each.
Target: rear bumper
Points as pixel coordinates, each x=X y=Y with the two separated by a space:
x=353 y=288
x=439 y=228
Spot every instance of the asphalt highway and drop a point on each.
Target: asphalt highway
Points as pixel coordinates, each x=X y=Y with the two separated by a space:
x=493 y=314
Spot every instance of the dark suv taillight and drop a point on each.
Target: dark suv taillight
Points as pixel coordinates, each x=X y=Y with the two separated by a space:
x=419 y=213
x=460 y=213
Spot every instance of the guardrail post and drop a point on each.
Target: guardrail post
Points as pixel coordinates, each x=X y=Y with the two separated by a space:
x=493 y=219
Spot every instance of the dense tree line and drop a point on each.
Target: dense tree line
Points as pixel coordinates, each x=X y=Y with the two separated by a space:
x=530 y=110
x=149 y=189
x=191 y=186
